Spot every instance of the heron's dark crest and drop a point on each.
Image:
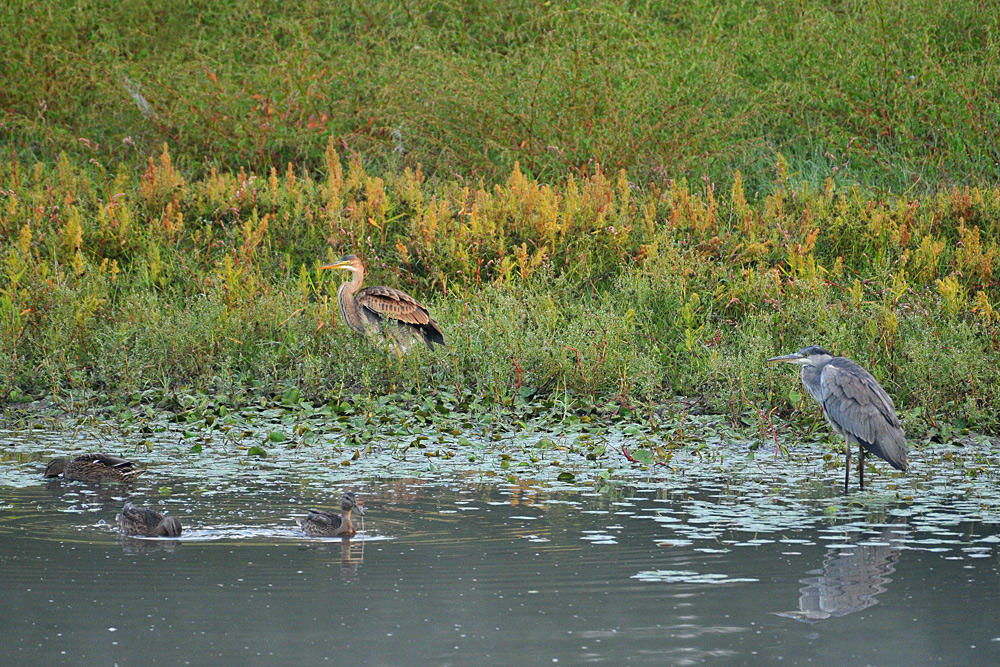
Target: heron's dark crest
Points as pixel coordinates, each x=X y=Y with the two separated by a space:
x=855 y=405
x=369 y=310
x=327 y=524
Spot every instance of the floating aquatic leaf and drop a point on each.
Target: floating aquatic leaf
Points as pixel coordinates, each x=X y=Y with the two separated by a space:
x=276 y=436
x=256 y=450
x=290 y=396
x=643 y=455
x=566 y=477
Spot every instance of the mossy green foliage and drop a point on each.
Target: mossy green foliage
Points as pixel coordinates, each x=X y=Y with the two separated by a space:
x=895 y=94
x=593 y=290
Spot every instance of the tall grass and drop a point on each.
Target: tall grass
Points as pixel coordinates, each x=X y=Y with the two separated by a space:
x=613 y=201
x=145 y=280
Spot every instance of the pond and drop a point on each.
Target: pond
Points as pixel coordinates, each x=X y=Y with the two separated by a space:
x=725 y=556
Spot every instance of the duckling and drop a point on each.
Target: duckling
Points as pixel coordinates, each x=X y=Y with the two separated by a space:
x=328 y=524
x=141 y=521
x=94 y=468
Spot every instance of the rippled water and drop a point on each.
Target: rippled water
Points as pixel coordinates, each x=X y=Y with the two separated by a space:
x=721 y=558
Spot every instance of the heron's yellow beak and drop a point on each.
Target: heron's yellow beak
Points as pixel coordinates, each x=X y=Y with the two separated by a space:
x=336 y=265
x=792 y=358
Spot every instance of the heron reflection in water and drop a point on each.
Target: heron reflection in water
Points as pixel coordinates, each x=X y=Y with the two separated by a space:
x=852 y=575
x=855 y=404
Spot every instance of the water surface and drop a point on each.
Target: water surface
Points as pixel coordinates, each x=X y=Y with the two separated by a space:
x=723 y=558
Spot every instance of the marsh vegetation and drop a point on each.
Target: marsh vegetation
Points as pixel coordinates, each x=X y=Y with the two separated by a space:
x=599 y=231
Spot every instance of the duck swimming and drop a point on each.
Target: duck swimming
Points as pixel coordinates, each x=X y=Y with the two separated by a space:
x=94 y=468
x=328 y=524
x=141 y=521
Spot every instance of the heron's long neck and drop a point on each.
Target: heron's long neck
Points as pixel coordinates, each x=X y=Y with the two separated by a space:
x=811 y=381
x=349 y=309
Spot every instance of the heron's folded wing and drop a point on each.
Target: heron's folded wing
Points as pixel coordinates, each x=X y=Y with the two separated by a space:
x=861 y=386
x=847 y=404
x=858 y=404
x=393 y=304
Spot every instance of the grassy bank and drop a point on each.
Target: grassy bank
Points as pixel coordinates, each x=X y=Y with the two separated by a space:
x=895 y=95
x=604 y=204
x=139 y=283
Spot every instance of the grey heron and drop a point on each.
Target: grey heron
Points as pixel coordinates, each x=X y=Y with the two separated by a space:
x=855 y=404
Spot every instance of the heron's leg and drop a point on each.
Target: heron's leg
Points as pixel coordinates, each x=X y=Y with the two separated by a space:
x=861 y=466
x=847 y=473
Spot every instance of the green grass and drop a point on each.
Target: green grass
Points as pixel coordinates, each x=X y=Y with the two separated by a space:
x=595 y=289
x=895 y=95
x=602 y=203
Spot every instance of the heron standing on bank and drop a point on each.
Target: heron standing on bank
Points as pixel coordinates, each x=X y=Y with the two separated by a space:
x=369 y=310
x=855 y=404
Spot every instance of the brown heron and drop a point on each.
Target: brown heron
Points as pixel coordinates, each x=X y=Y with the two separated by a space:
x=368 y=310
x=328 y=524
x=855 y=404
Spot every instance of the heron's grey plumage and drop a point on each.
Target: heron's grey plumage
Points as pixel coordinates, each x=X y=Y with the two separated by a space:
x=855 y=405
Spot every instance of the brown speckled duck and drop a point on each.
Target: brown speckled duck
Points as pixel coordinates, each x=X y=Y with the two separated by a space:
x=141 y=521
x=94 y=468
x=328 y=524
